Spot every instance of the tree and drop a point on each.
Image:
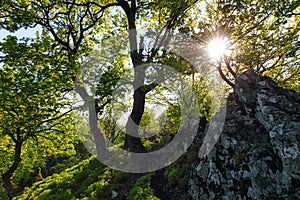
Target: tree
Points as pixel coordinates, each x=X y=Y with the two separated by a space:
x=174 y=10
x=73 y=24
x=34 y=119
x=263 y=35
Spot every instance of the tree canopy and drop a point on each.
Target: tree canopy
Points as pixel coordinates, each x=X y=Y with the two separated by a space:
x=34 y=107
x=263 y=35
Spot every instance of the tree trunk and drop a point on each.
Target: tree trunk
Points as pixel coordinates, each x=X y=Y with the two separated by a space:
x=11 y=188
x=99 y=138
x=132 y=143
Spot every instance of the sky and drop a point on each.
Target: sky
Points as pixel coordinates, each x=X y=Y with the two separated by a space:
x=29 y=32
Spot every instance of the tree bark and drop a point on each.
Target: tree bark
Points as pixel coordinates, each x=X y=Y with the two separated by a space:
x=11 y=188
x=224 y=77
x=132 y=143
x=99 y=138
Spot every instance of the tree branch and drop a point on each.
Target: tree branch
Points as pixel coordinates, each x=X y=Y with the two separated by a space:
x=224 y=77
x=229 y=68
x=54 y=118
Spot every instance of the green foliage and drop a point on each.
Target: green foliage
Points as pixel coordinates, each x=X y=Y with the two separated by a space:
x=88 y=179
x=178 y=172
x=111 y=129
x=204 y=96
x=142 y=189
x=164 y=14
x=173 y=118
x=34 y=111
x=263 y=35
x=100 y=188
x=65 y=185
x=63 y=162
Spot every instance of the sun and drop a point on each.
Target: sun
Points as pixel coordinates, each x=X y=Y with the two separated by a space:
x=217 y=48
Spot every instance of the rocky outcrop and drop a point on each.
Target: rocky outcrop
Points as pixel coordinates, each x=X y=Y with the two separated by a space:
x=258 y=154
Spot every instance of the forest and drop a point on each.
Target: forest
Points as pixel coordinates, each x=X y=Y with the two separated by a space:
x=106 y=99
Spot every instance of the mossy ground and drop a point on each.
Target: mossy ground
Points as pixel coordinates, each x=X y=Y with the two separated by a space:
x=89 y=179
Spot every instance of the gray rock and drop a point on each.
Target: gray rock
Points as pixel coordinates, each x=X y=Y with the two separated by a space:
x=114 y=194
x=258 y=153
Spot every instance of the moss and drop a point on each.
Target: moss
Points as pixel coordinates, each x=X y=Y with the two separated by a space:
x=142 y=189
x=89 y=179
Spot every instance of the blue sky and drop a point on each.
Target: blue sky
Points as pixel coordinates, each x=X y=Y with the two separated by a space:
x=29 y=32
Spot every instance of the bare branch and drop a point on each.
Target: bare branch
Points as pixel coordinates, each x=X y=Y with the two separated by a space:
x=224 y=77
x=54 y=118
x=229 y=68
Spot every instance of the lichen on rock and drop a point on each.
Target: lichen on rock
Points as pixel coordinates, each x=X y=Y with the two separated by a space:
x=258 y=154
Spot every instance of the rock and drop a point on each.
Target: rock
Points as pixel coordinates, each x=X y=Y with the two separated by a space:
x=114 y=194
x=258 y=153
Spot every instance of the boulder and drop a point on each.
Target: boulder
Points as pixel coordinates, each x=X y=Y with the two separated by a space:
x=257 y=155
